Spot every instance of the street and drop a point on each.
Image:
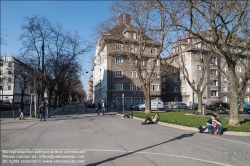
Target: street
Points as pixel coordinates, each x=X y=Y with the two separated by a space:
x=80 y=138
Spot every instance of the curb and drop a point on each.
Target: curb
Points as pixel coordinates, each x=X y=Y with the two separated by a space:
x=193 y=128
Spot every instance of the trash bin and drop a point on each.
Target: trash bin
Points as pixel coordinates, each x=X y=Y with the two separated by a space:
x=203 y=110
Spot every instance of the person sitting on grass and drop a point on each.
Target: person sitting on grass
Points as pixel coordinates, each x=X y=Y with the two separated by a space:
x=153 y=120
x=129 y=116
x=214 y=126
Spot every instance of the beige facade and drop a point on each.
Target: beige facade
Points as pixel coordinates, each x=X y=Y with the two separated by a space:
x=118 y=65
x=196 y=59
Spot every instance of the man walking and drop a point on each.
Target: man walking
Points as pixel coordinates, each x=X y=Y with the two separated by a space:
x=103 y=107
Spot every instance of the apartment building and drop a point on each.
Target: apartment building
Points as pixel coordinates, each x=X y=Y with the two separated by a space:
x=115 y=70
x=10 y=85
x=189 y=54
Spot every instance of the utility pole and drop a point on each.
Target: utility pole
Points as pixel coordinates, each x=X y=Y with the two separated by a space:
x=43 y=71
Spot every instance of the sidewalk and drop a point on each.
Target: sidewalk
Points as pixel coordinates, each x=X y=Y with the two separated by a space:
x=193 y=128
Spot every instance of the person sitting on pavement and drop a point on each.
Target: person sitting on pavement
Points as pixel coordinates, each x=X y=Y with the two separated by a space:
x=245 y=106
x=153 y=120
x=213 y=125
x=129 y=116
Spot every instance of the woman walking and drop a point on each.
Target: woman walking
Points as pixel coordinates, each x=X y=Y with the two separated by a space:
x=42 y=111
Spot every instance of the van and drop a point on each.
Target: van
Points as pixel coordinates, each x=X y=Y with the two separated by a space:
x=155 y=105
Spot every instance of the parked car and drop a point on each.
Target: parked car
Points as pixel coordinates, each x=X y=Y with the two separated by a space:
x=6 y=103
x=155 y=105
x=216 y=105
x=180 y=106
x=141 y=106
x=165 y=105
x=133 y=107
x=196 y=106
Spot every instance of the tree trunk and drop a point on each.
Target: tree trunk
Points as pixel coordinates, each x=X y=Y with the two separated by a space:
x=234 y=97
x=22 y=104
x=199 y=95
x=148 y=99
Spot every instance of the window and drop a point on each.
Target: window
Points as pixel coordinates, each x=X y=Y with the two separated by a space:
x=248 y=89
x=142 y=62
x=183 y=57
x=198 y=78
x=118 y=86
x=213 y=72
x=133 y=49
x=213 y=93
x=118 y=47
x=247 y=99
x=175 y=98
x=143 y=74
x=9 y=79
x=175 y=89
x=198 y=56
x=118 y=74
x=182 y=78
x=155 y=62
x=9 y=64
x=238 y=69
x=213 y=61
x=183 y=89
x=133 y=74
x=153 y=51
x=176 y=79
x=9 y=87
x=224 y=79
x=9 y=72
x=133 y=61
x=155 y=87
x=225 y=68
x=133 y=87
x=175 y=70
x=118 y=60
x=141 y=87
x=198 y=67
x=155 y=75
x=214 y=83
x=224 y=89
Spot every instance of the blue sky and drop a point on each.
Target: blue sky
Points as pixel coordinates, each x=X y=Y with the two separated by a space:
x=81 y=16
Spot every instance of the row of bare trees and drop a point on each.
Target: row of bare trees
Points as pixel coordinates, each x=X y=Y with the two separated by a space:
x=52 y=53
x=168 y=21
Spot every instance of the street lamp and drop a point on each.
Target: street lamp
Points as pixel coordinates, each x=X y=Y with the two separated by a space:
x=193 y=83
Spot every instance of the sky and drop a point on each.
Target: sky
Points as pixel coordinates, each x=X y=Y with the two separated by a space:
x=81 y=16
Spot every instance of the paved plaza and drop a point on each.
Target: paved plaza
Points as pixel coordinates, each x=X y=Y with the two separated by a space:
x=72 y=137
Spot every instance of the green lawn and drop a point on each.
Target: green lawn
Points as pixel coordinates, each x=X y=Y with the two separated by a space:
x=180 y=118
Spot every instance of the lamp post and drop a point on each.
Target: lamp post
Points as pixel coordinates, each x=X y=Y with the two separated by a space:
x=193 y=83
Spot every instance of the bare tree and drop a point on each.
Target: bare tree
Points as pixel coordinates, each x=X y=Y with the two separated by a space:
x=148 y=20
x=223 y=26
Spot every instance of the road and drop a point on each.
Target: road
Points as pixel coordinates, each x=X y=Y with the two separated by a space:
x=80 y=138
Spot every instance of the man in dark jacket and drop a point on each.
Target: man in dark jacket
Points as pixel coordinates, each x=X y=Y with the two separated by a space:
x=42 y=111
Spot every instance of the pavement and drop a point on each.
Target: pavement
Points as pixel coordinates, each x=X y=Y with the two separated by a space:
x=6 y=118
x=109 y=140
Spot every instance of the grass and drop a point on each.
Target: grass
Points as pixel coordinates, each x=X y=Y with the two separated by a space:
x=180 y=118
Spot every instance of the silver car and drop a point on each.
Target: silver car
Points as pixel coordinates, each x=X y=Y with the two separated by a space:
x=180 y=106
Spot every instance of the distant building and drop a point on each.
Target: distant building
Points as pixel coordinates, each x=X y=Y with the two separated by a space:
x=10 y=87
x=191 y=51
x=114 y=72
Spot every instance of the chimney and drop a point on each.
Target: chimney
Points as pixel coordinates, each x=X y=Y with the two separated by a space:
x=120 y=19
x=187 y=36
x=127 y=19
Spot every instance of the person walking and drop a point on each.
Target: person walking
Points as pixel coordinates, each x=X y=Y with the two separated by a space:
x=246 y=106
x=21 y=114
x=47 y=110
x=104 y=106
x=42 y=111
x=98 y=108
